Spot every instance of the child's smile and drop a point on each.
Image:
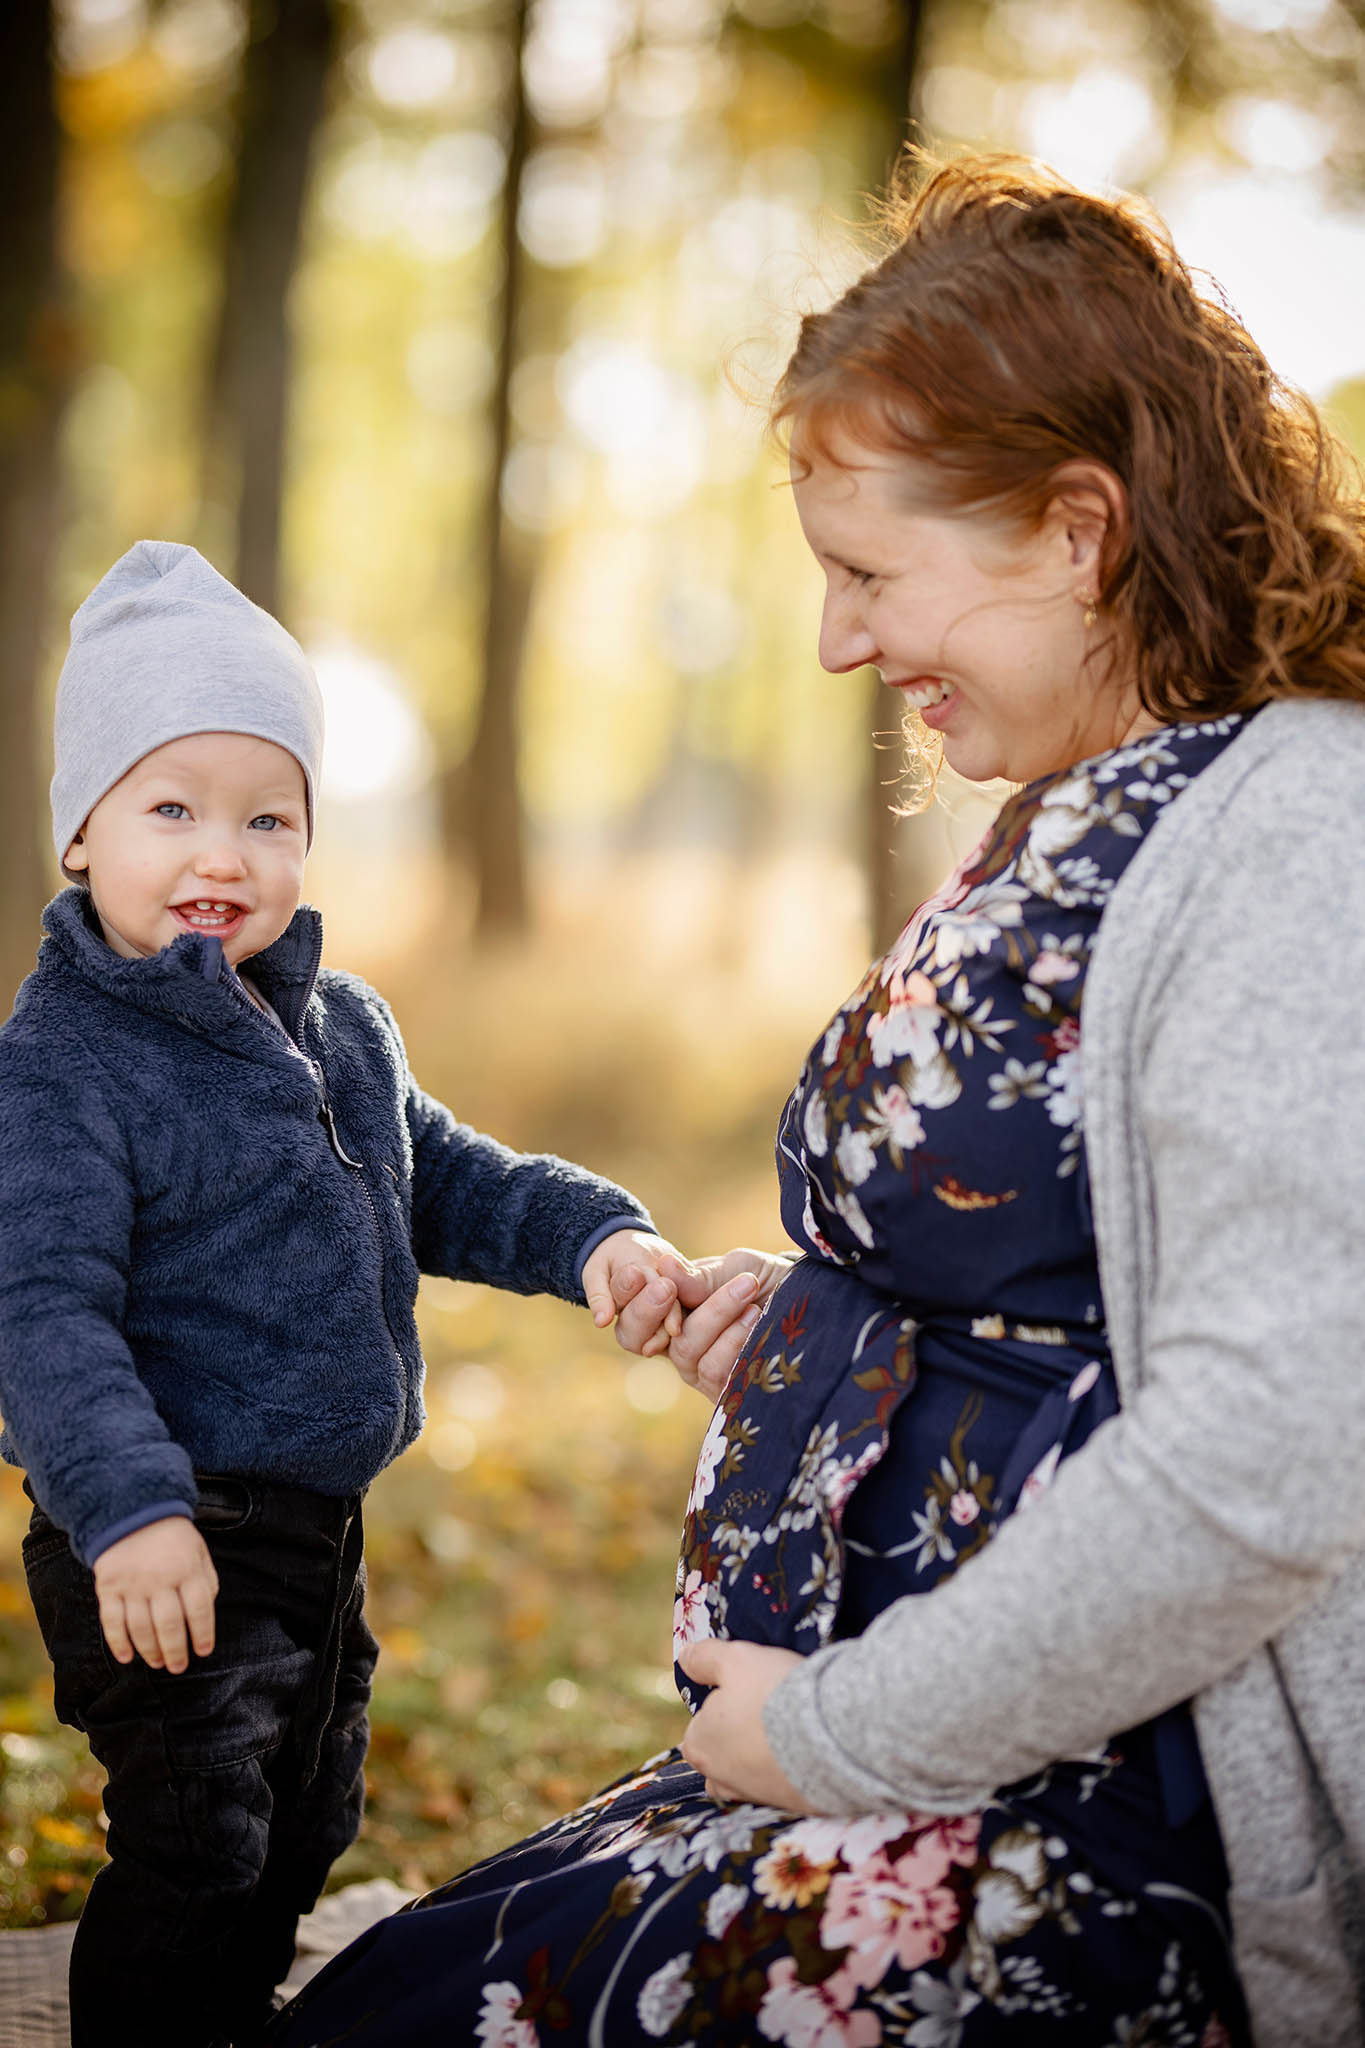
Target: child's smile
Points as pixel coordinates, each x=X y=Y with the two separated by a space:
x=223 y=918
x=206 y=834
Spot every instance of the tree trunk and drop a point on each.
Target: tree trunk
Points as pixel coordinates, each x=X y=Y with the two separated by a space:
x=283 y=86
x=491 y=780
x=887 y=880
x=37 y=353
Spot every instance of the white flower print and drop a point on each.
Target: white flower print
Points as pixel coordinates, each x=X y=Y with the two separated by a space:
x=709 y=1459
x=1064 y=1079
x=909 y=1030
x=829 y=1051
x=815 y=1125
x=722 y=1906
x=944 y=2004
x=977 y=923
x=814 y=1233
x=822 y=1840
x=730 y=1833
x=1017 y=1083
x=663 y=1996
x=855 y=1156
x=894 y=1120
x=849 y=1207
x=498 y=2025
x=934 y=1086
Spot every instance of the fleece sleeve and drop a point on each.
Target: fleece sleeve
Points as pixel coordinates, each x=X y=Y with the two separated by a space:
x=98 y=1455
x=1222 y=1500
x=512 y=1219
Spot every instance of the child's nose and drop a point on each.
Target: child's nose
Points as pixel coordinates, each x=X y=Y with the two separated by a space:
x=220 y=859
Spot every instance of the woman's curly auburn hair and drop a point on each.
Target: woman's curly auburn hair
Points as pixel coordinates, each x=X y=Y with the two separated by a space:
x=1018 y=324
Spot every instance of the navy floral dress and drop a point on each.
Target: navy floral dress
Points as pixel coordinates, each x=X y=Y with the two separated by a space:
x=936 y=1350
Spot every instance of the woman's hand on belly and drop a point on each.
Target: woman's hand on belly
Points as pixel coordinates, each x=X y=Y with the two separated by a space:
x=726 y=1741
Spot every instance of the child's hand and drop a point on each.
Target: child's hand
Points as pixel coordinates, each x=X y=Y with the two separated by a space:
x=725 y=1295
x=152 y=1586
x=624 y=1282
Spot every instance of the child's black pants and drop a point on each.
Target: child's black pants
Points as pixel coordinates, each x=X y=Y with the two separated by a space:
x=233 y=1786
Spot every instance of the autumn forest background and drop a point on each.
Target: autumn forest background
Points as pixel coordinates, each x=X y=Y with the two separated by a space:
x=443 y=327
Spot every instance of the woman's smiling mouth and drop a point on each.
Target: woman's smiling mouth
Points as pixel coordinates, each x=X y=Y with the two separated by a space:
x=924 y=692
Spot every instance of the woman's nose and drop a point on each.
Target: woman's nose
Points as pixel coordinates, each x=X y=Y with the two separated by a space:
x=845 y=642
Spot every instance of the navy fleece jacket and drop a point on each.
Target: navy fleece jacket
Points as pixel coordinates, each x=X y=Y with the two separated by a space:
x=211 y=1228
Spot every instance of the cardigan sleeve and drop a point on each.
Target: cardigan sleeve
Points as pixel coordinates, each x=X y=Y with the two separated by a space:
x=99 y=1457
x=1224 y=1497
x=518 y=1220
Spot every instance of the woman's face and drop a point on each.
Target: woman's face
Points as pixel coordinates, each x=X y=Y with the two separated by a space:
x=978 y=626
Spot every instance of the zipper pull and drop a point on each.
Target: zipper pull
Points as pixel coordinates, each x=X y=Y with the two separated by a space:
x=329 y=1124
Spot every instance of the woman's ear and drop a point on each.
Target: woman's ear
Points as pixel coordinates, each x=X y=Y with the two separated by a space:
x=1091 y=506
x=76 y=858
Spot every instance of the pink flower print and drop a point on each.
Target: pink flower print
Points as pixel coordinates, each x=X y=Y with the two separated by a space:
x=813 y=2015
x=964 y=1508
x=1064 y=1038
x=839 y=1483
x=909 y=1029
x=959 y=1836
x=498 y=2025
x=1051 y=967
x=891 y=1914
x=691 y=1613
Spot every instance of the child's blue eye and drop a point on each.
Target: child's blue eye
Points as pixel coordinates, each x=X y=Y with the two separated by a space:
x=170 y=810
x=266 y=821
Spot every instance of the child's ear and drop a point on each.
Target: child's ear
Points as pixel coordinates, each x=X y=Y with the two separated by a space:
x=76 y=856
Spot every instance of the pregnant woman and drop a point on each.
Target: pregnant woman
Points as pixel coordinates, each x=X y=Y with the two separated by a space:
x=1021 y=1598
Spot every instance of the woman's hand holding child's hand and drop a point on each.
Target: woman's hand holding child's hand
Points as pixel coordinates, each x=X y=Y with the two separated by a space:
x=726 y=1295
x=153 y=1587
x=645 y=1285
x=623 y=1279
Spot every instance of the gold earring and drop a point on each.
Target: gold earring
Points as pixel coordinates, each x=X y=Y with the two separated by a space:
x=1091 y=610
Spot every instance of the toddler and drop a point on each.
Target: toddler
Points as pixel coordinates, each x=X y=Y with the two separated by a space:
x=218 y=1185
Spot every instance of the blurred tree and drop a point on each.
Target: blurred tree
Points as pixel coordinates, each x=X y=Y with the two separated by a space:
x=489 y=779
x=891 y=881
x=284 y=81
x=36 y=362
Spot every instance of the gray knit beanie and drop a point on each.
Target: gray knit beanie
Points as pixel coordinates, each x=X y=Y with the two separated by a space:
x=164 y=647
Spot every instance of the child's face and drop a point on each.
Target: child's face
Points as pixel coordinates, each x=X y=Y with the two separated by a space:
x=204 y=834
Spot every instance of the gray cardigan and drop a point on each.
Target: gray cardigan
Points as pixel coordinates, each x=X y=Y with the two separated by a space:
x=1209 y=1540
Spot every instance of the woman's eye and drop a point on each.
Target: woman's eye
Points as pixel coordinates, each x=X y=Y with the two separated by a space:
x=170 y=811
x=863 y=576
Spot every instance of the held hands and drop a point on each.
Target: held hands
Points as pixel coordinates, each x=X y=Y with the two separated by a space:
x=642 y=1282
x=152 y=1587
x=725 y=1294
x=726 y=1741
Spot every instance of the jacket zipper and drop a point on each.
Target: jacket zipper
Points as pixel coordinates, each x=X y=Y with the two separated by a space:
x=327 y=1118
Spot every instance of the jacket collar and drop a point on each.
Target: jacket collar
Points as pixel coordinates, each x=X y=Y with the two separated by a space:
x=188 y=981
